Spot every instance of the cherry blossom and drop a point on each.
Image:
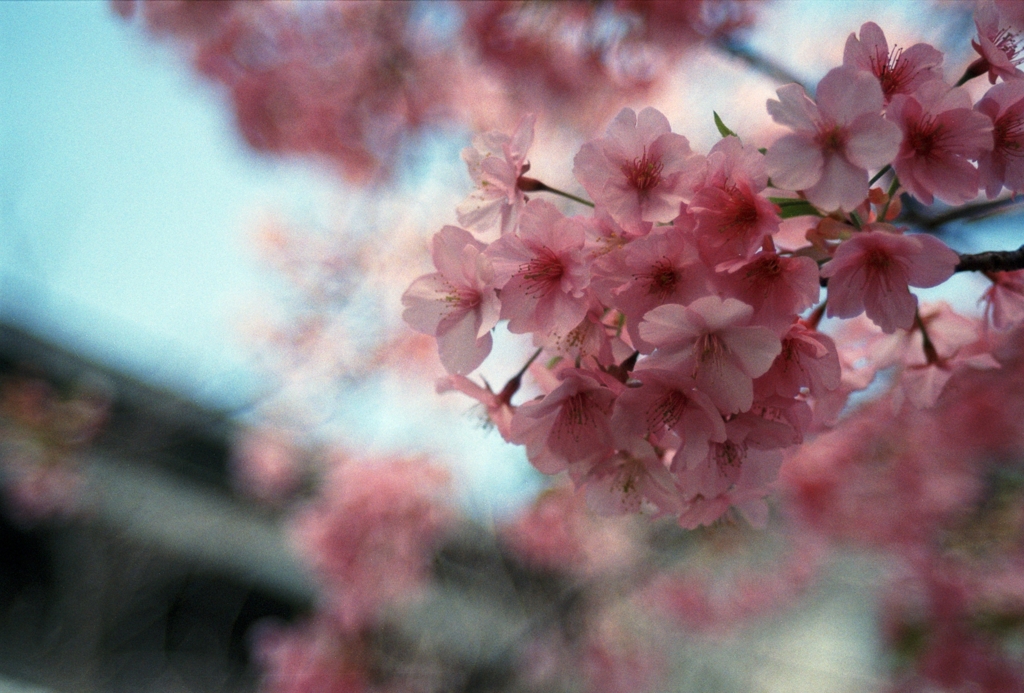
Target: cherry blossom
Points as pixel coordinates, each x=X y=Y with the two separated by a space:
x=898 y=71
x=1004 y=165
x=634 y=478
x=651 y=271
x=941 y=133
x=731 y=217
x=712 y=339
x=734 y=473
x=835 y=141
x=873 y=272
x=495 y=162
x=777 y=287
x=568 y=426
x=669 y=410
x=640 y=171
x=1004 y=300
x=541 y=272
x=497 y=407
x=997 y=44
x=457 y=303
x=368 y=537
x=808 y=360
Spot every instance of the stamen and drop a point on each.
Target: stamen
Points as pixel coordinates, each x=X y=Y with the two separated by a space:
x=666 y=412
x=1008 y=134
x=542 y=272
x=661 y=279
x=1007 y=42
x=576 y=415
x=926 y=137
x=643 y=173
x=892 y=71
x=831 y=139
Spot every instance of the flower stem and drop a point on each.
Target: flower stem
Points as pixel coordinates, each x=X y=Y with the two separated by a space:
x=814 y=319
x=874 y=179
x=975 y=69
x=533 y=185
x=929 y=348
x=893 y=187
x=512 y=386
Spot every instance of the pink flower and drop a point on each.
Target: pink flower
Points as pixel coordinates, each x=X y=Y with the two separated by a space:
x=997 y=44
x=369 y=536
x=872 y=273
x=497 y=406
x=640 y=171
x=495 y=162
x=898 y=71
x=541 y=271
x=1004 y=300
x=733 y=473
x=670 y=411
x=569 y=426
x=457 y=303
x=808 y=360
x=631 y=480
x=557 y=533
x=711 y=339
x=731 y=217
x=648 y=272
x=834 y=142
x=954 y=344
x=777 y=287
x=1004 y=165
x=732 y=220
x=941 y=132
x=306 y=658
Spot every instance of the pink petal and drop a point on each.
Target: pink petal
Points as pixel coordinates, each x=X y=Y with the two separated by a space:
x=873 y=141
x=934 y=264
x=842 y=186
x=458 y=347
x=424 y=303
x=754 y=347
x=794 y=162
x=667 y=325
x=846 y=93
x=794 y=109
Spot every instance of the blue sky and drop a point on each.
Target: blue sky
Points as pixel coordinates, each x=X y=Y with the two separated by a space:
x=126 y=200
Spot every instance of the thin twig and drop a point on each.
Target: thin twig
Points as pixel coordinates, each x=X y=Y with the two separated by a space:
x=533 y=185
x=760 y=63
x=971 y=211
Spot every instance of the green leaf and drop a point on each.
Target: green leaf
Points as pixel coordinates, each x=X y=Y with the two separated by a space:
x=725 y=132
x=793 y=207
x=803 y=210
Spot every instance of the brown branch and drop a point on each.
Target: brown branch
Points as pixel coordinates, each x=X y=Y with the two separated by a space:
x=760 y=63
x=992 y=261
x=971 y=211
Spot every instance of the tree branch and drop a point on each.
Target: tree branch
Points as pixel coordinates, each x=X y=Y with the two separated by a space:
x=760 y=63
x=992 y=261
x=972 y=211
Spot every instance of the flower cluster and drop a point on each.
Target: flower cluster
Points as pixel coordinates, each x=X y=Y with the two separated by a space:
x=351 y=81
x=679 y=322
x=937 y=492
x=389 y=550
